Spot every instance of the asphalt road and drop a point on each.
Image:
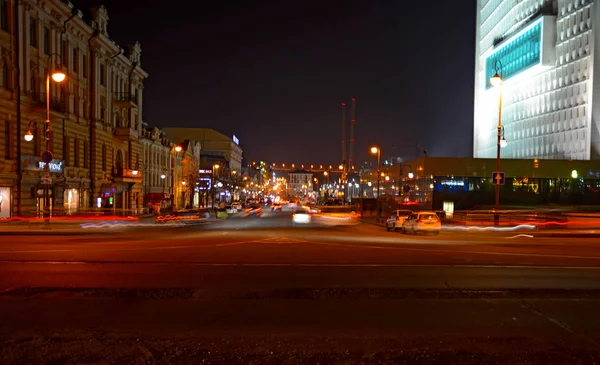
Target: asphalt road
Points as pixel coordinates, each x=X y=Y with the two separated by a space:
x=264 y=290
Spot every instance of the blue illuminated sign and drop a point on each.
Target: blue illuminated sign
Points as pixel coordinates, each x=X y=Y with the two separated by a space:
x=517 y=55
x=236 y=140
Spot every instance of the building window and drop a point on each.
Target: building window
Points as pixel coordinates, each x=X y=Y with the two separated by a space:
x=76 y=152
x=3 y=15
x=65 y=54
x=85 y=154
x=102 y=75
x=46 y=40
x=32 y=32
x=84 y=66
x=37 y=142
x=66 y=150
x=75 y=60
x=8 y=140
x=104 y=157
x=4 y=75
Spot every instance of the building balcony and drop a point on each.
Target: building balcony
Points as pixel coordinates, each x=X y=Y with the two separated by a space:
x=56 y=104
x=125 y=173
x=125 y=100
x=127 y=134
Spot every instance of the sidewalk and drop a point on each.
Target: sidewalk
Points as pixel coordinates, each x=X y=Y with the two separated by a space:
x=558 y=233
x=40 y=227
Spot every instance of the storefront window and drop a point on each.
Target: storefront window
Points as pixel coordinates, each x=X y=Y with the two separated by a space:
x=5 y=202
x=71 y=200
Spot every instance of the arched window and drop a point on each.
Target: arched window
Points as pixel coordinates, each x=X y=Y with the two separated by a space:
x=4 y=75
x=119 y=160
x=32 y=85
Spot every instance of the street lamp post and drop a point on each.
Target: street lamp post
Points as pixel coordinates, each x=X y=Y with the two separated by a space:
x=174 y=160
x=496 y=81
x=212 y=184
x=377 y=150
x=58 y=76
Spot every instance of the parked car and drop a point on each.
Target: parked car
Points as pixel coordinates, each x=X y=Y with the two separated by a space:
x=425 y=221
x=396 y=219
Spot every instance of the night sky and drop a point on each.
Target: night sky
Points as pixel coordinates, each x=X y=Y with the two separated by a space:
x=275 y=72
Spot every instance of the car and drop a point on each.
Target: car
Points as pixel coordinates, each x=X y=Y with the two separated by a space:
x=313 y=209
x=230 y=209
x=424 y=221
x=301 y=216
x=277 y=206
x=237 y=206
x=222 y=213
x=254 y=210
x=396 y=219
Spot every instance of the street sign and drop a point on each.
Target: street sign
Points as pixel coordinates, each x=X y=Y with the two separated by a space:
x=47 y=180
x=498 y=178
x=47 y=156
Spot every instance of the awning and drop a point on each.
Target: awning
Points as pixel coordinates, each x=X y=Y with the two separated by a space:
x=108 y=189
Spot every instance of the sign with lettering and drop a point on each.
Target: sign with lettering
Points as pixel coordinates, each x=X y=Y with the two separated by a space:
x=35 y=163
x=54 y=166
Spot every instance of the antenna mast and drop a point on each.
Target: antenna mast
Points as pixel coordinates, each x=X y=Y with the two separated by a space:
x=344 y=133
x=352 y=122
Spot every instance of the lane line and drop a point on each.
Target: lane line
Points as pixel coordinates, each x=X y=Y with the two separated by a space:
x=373 y=265
x=132 y=248
x=458 y=251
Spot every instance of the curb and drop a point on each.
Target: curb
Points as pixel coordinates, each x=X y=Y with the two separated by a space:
x=54 y=233
x=373 y=223
x=568 y=235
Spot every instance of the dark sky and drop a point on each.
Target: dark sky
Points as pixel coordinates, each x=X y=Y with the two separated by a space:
x=275 y=72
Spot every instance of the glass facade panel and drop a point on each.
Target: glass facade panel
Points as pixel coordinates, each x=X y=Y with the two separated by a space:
x=517 y=56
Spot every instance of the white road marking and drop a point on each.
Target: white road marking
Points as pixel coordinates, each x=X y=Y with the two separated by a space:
x=284 y=264
x=520 y=235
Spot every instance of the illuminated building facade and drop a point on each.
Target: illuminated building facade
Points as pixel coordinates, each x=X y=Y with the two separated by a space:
x=544 y=51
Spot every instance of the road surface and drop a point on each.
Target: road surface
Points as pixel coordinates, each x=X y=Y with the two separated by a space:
x=267 y=291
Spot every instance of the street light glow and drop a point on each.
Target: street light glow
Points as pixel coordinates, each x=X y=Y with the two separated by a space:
x=503 y=142
x=496 y=80
x=374 y=149
x=178 y=148
x=59 y=76
x=411 y=175
x=29 y=136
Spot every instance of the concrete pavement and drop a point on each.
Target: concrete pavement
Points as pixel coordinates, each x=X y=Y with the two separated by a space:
x=265 y=290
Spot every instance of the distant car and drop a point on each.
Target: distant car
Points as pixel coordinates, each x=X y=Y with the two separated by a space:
x=222 y=213
x=397 y=218
x=301 y=216
x=276 y=206
x=254 y=210
x=237 y=206
x=230 y=209
x=313 y=209
x=424 y=221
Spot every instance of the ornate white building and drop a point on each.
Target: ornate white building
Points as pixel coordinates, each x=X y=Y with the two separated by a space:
x=544 y=50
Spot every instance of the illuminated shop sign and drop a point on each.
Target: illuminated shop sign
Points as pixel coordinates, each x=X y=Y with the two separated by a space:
x=54 y=166
x=529 y=47
x=236 y=140
x=453 y=182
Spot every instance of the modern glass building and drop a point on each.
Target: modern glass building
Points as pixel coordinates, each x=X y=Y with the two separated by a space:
x=544 y=50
